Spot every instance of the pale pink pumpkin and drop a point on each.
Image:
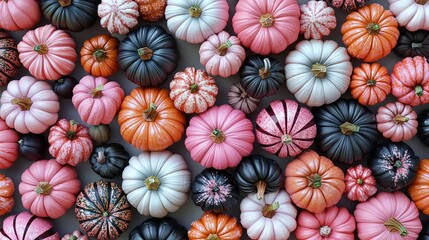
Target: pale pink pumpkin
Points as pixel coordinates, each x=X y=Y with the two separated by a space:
x=266 y=26
x=118 y=16
x=219 y=137
x=8 y=145
x=29 y=105
x=360 y=184
x=97 y=100
x=25 y=224
x=222 y=54
x=317 y=19
x=397 y=121
x=49 y=189
x=18 y=14
x=69 y=142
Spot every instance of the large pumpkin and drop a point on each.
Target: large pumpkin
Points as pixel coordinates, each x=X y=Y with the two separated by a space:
x=24 y=226
x=118 y=16
x=160 y=229
x=9 y=60
x=411 y=14
x=411 y=44
x=397 y=121
x=19 y=15
x=317 y=19
x=7 y=188
x=419 y=190
x=215 y=226
x=423 y=126
x=8 y=145
x=151 y=10
x=109 y=160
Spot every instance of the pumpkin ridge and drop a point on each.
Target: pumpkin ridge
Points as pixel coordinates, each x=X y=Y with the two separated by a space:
x=27 y=226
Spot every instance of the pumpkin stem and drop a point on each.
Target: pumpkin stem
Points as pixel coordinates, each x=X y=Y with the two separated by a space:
x=223 y=48
x=394 y=225
x=71 y=134
x=416 y=45
x=421 y=2
x=373 y=28
x=105 y=214
x=217 y=136
x=325 y=231
x=359 y=181
x=286 y=139
x=145 y=53
x=315 y=181
x=24 y=103
x=418 y=90
x=269 y=210
x=99 y=55
x=101 y=158
x=41 y=49
x=398 y=164
x=64 y=3
x=349 y=128
x=267 y=20
x=193 y=88
x=61 y=80
x=152 y=183
x=400 y=119
x=97 y=92
x=150 y=113
x=195 y=11
x=265 y=71
x=213 y=236
x=371 y=82
x=43 y=188
x=215 y=189
x=319 y=70
x=260 y=189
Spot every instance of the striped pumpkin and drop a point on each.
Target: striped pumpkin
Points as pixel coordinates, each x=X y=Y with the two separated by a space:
x=25 y=226
x=9 y=60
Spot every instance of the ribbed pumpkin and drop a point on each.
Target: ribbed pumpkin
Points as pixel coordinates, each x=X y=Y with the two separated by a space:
x=9 y=60
x=151 y=10
x=109 y=160
x=411 y=14
x=63 y=87
x=27 y=226
x=397 y=121
x=317 y=19
x=160 y=229
x=411 y=44
x=419 y=189
x=100 y=134
x=215 y=226
x=32 y=146
x=8 y=145
x=239 y=99
x=118 y=16
x=19 y=15
x=360 y=183
x=7 y=188
x=423 y=126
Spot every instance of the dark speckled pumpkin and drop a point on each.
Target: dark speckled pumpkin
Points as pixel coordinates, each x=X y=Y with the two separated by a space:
x=160 y=229
x=9 y=61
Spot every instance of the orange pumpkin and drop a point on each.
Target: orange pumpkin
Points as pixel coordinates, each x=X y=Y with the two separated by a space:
x=215 y=226
x=370 y=84
x=99 y=54
x=370 y=33
x=7 y=188
x=152 y=10
x=313 y=182
x=419 y=189
x=149 y=121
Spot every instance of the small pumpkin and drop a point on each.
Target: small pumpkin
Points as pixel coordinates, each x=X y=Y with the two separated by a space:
x=97 y=100
x=313 y=182
x=418 y=189
x=32 y=146
x=219 y=137
x=360 y=183
x=261 y=76
x=317 y=19
x=222 y=54
x=99 y=54
x=411 y=14
x=411 y=44
x=118 y=16
x=370 y=33
x=397 y=121
x=75 y=235
x=423 y=126
x=239 y=99
x=9 y=60
x=27 y=226
x=109 y=160
x=7 y=188
x=103 y=210
x=159 y=228
x=8 y=145
x=100 y=133
x=215 y=226
x=19 y=15
x=347 y=5
x=63 y=87
x=69 y=142
x=151 y=10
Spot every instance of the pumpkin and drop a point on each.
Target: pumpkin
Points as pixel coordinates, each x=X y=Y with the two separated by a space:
x=32 y=146
x=9 y=60
x=73 y=15
x=63 y=87
x=215 y=226
x=370 y=33
x=194 y=21
x=222 y=54
x=411 y=14
x=100 y=133
x=239 y=99
x=266 y=26
x=160 y=125
x=347 y=5
x=318 y=72
x=103 y=210
x=214 y=190
x=193 y=91
x=370 y=83
x=151 y=10
x=418 y=189
x=19 y=15
x=360 y=183
x=285 y=129
x=98 y=55
x=7 y=188
x=313 y=182
x=97 y=100
x=271 y=218
x=109 y=160
x=219 y=137
x=48 y=53
x=8 y=145
x=397 y=121
x=317 y=20
x=261 y=76
x=424 y=234
x=159 y=228
x=156 y=183
x=29 y=105
x=410 y=83
x=411 y=44
x=423 y=126
x=118 y=16
x=75 y=235
x=346 y=130
x=25 y=226
x=69 y=142
x=387 y=216
x=148 y=55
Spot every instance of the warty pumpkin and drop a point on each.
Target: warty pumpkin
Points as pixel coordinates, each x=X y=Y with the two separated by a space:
x=151 y=10
x=9 y=58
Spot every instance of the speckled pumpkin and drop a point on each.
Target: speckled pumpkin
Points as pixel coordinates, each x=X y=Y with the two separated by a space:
x=9 y=60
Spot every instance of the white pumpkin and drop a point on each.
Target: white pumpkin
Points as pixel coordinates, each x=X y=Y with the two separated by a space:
x=156 y=183
x=118 y=16
x=273 y=217
x=318 y=72
x=317 y=19
x=411 y=14
x=195 y=21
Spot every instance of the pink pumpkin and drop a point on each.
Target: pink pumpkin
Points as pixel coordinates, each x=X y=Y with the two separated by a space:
x=97 y=100
x=285 y=129
x=118 y=16
x=75 y=235
x=219 y=137
x=360 y=184
x=397 y=121
x=29 y=105
x=266 y=26
x=19 y=14
x=25 y=226
x=8 y=145
x=48 y=53
x=317 y=19
x=333 y=223
x=222 y=54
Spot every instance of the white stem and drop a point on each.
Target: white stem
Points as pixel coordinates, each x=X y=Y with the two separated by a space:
x=267 y=64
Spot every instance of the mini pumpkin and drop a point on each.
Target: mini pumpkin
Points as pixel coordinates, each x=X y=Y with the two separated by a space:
x=317 y=19
x=347 y=5
x=32 y=146
x=27 y=226
x=215 y=226
x=75 y=235
x=411 y=44
x=100 y=133
x=397 y=121
x=411 y=14
x=19 y=15
x=159 y=228
x=118 y=16
x=7 y=188
x=9 y=60
x=360 y=183
x=109 y=160
x=239 y=99
x=423 y=126
x=418 y=189
x=8 y=145
x=63 y=87
x=151 y=10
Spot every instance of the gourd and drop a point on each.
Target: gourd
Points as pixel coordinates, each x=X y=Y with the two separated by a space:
x=215 y=226
x=418 y=189
x=75 y=235
x=63 y=87
x=411 y=14
x=19 y=15
x=109 y=160
x=317 y=19
x=9 y=60
x=7 y=188
x=360 y=183
x=32 y=146
x=347 y=5
x=118 y=16
x=8 y=145
x=397 y=121
x=411 y=44
x=151 y=10
x=27 y=226
x=159 y=228
x=423 y=126
x=100 y=134
x=239 y=99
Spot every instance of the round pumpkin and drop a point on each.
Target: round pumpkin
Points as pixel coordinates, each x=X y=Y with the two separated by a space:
x=32 y=146
x=411 y=14
x=423 y=126
x=27 y=226
x=159 y=228
x=151 y=10
x=7 y=188
x=118 y=16
x=411 y=44
x=317 y=19
x=239 y=99
x=215 y=226
x=19 y=15
x=347 y=5
x=109 y=160
x=75 y=235
x=397 y=121
x=9 y=60
x=360 y=183
x=8 y=145
x=418 y=189
x=63 y=87
x=100 y=134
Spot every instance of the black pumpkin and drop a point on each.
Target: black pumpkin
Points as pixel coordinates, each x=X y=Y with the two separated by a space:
x=214 y=190
x=63 y=87
x=73 y=15
x=423 y=127
x=9 y=60
x=258 y=174
x=148 y=55
x=346 y=130
x=424 y=234
x=160 y=229
x=99 y=133
x=394 y=165
x=109 y=160
x=33 y=146
x=261 y=76
x=411 y=44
